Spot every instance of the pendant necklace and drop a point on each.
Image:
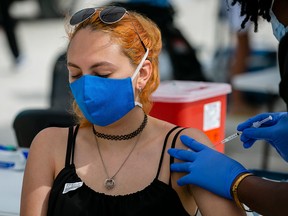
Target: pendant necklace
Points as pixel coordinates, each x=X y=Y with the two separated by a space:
x=109 y=182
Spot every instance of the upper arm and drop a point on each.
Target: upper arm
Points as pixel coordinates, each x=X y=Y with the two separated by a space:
x=196 y=134
x=39 y=173
x=211 y=204
x=207 y=202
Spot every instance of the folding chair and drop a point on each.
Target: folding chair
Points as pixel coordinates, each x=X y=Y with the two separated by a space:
x=29 y=122
x=61 y=96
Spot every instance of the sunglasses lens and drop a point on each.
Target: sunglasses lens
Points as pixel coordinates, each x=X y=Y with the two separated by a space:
x=82 y=15
x=112 y=14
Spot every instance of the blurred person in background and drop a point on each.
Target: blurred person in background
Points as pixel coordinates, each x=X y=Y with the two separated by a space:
x=8 y=24
x=275 y=12
x=178 y=58
x=239 y=60
x=244 y=58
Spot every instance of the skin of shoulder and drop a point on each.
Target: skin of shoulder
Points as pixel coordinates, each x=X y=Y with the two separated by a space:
x=43 y=164
x=207 y=202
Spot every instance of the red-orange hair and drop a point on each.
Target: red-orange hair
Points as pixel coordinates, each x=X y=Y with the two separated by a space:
x=123 y=33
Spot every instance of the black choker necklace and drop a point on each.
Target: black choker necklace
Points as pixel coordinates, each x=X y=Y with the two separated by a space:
x=122 y=137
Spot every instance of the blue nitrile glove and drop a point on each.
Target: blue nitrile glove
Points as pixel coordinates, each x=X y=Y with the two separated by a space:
x=274 y=131
x=206 y=167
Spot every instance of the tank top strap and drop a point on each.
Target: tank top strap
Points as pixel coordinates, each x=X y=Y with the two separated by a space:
x=71 y=145
x=173 y=146
x=163 y=149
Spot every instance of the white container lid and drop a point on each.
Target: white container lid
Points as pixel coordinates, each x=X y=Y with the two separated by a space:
x=175 y=91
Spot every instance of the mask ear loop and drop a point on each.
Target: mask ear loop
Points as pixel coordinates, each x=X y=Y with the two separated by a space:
x=138 y=104
x=271 y=11
x=137 y=71
x=140 y=64
x=272 y=3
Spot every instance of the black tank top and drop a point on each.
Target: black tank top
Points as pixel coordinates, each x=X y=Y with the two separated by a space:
x=158 y=198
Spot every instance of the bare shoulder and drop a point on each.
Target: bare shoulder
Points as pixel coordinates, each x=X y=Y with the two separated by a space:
x=196 y=134
x=159 y=124
x=164 y=126
x=49 y=138
x=50 y=145
x=45 y=160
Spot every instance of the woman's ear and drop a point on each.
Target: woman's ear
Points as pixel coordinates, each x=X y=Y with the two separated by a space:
x=144 y=74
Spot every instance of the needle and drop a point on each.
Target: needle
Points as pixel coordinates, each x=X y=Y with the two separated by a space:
x=256 y=124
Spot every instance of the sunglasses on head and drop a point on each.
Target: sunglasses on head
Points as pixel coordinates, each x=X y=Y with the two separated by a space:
x=108 y=15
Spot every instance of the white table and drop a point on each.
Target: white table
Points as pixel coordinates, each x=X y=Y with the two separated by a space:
x=265 y=81
x=10 y=192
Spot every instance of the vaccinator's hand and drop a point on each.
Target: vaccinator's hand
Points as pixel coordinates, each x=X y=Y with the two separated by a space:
x=205 y=167
x=274 y=132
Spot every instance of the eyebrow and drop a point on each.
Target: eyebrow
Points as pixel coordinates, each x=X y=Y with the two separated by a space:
x=98 y=64
x=72 y=65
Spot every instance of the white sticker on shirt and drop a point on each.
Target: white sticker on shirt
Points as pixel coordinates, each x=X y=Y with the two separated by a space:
x=72 y=186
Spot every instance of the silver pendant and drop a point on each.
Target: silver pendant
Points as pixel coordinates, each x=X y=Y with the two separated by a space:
x=109 y=183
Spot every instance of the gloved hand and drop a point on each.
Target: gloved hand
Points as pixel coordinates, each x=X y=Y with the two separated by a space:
x=206 y=167
x=274 y=131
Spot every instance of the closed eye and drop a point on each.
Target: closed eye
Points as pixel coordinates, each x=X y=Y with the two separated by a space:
x=76 y=76
x=103 y=76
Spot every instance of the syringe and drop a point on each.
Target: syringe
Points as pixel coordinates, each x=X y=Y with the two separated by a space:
x=231 y=137
x=256 y=124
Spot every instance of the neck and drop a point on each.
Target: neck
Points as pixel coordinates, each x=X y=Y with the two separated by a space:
x=280 y=9
x=125 y=125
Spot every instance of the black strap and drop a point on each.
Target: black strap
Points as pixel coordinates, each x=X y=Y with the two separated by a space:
x=173 y=146
x=163 y=150
x=71 y=145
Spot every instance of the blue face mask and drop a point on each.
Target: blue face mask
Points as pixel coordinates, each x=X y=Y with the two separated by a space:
x=278 y=28
x=104 y=101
